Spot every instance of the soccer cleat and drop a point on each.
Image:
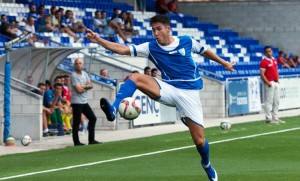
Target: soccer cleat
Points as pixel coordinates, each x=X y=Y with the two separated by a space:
x=108 y=109
x=211 y=172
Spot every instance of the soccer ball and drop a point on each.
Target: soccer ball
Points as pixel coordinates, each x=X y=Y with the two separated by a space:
x=225 y=125
x=26 y=140
x=129 y=108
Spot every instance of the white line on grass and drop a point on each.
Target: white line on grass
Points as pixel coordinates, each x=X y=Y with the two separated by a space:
x=145 y=154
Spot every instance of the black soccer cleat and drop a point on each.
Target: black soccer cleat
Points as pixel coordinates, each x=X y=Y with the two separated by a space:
x=108 y=109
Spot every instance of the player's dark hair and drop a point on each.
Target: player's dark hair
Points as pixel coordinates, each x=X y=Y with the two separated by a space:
x=267 y=47
x=160 y=19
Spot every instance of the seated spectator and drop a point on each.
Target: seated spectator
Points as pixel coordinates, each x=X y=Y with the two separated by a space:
x=16 y=25
x=55 y=21
x=173 y=6
x=77 y=26
x=32 y=12
x=161 y=7
x=7 y=29
x=295 y=61
x=66 y=25
x=108 y=25
x=120 y=20
x=29 y=27
x=289 y=60
x=104 y=73
x=154 y=72
x=100 y=24
x=52 y=100
x=147 y=71
x=47 y=25
x=128 y=23
x=52 y=13
x=281 y=60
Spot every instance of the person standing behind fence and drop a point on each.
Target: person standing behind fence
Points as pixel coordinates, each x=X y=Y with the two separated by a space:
x=269 y=75
x=80 y=84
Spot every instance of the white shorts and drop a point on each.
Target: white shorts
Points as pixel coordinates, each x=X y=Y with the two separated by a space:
x=186 y=101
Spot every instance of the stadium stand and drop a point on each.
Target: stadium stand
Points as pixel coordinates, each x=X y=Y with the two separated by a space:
x=245 y=51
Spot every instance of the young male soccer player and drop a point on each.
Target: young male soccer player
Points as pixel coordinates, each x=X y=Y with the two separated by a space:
x=180 y=82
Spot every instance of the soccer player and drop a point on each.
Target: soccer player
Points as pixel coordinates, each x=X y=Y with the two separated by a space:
x=180 y=82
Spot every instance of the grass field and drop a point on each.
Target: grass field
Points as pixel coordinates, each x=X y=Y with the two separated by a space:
x=247 y=152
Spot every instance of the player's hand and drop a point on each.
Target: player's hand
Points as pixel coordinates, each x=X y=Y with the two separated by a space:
x=92 y=36
x=229 y=66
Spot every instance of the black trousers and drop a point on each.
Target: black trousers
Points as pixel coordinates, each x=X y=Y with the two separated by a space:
x=85 y=109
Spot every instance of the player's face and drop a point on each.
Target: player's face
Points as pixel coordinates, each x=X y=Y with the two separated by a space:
x=268 y=52
x=161 y=33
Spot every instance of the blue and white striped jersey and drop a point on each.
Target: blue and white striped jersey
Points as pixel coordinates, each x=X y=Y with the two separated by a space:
x=174 y=61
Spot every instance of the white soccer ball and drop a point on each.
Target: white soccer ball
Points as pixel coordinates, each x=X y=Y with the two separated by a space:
x=225 y=124
x=26 y=140
x=130 y=108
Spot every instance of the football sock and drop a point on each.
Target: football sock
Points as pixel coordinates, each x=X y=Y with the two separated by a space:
x=126 y=90
x=204 y=152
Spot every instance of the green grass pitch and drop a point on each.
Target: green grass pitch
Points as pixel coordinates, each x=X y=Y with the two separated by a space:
x=267 y=157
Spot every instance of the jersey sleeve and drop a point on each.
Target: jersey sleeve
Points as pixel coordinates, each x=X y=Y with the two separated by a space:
x=262 y=65
x=141 y=50
x=197 y=48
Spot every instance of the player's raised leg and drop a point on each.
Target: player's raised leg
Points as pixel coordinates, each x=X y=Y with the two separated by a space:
x=144 y=83
x=197 y=133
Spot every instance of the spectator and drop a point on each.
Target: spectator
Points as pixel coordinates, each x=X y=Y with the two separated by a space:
x=66 y=25
x=281 y=60
x=128 y=23
x=109 y=25
x=116 y=13
x=61 y=10
x=7 y=29
x=80 y=84
x=55 y=21
x=16 y=25
x=154 y=72
x=52 y=100
x=161 y=7
x=41 y=11
x=120 y=21
x=52 y=13
x=294 y=61
x=173 y=6
x=29 y=27
x=30 y=80
x=32 y=12
x=100 y=24
x=46 y=25
x=40 y=91
x=77 y=26
x=269 y=75
x=147 y=71
x=104 y=73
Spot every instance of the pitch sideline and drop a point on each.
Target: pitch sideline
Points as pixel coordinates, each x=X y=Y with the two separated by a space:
x=145 y=154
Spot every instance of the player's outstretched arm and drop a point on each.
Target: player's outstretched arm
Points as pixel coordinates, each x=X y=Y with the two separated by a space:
x=114 y=47
x=211 y=55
